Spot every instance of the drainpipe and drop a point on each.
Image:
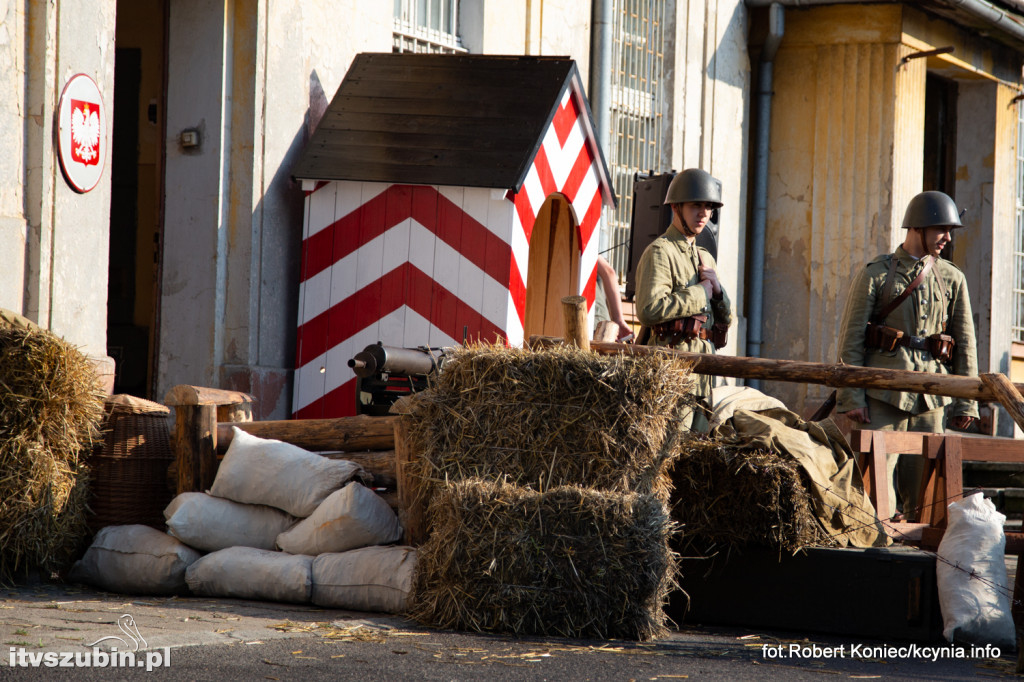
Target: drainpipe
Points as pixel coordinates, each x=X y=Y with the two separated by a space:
x=765 y=71
x=601 y=19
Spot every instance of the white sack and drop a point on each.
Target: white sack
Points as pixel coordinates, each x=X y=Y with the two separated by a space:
x=975 y=610
x=262 y=471
x=211 y=523
x=134 y=560
x=350 y=518
x=248 y=573
x=375 y=579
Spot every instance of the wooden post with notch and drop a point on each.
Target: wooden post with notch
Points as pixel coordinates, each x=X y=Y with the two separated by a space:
x=196 y=411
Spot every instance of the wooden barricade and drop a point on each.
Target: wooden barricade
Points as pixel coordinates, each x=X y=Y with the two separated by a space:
x=204 y=423
x=942 y=483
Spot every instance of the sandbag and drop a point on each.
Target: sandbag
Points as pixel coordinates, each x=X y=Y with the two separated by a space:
x=249 y=573
x=971 y=575
x=377 y=579
x=211 y=523
x=134 y=560
x=350 y=518
x=264 y=471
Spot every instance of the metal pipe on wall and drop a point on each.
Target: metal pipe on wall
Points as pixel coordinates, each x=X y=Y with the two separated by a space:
x=766 y=65
x=602 y=19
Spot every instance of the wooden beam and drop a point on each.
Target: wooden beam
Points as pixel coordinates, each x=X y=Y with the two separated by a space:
x=195 y=440
x=1007 y=394
x=836 y=376
x=349 y=434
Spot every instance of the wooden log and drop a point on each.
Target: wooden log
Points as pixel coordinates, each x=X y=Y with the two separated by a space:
x=1007 y=394
x=349 y=434
x=835 y=376
x=606 y=330
x=380 y=463
x=574 y=310
x=183 y=394
x=195 y=440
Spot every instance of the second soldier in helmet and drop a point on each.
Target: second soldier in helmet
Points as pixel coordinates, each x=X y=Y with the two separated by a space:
x=910 y=310
x=678 y=294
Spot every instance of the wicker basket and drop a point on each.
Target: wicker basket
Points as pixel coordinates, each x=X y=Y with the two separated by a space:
x=129 y=470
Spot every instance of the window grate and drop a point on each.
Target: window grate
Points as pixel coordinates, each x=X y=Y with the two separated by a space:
x=427 y=26
x=637 y=110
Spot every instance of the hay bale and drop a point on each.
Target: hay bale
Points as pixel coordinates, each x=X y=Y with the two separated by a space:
x=557 y=416
x=52 y=405
x=570 y=562
x=728 y=493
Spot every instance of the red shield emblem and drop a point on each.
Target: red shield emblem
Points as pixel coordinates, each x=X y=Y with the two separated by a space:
x=85 y=132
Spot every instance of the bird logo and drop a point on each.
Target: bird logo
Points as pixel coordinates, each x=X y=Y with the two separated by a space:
x=85 y=132
x=127 y=625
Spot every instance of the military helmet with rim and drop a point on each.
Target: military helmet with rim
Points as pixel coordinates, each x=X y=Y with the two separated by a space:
x=694 y=185
x=931 y=209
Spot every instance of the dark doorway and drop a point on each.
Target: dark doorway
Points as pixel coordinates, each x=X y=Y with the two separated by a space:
x=940 y=140
x=136 y=194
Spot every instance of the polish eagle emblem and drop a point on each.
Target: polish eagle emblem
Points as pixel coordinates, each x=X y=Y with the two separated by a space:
x=85 y=132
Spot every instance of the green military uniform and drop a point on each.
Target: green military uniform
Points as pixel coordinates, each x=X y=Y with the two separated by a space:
x=922 y=314
x=668 y=288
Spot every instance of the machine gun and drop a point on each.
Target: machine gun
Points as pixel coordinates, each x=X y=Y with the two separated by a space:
x=386 y=373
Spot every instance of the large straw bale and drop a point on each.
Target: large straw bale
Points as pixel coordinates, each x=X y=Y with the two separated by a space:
x=50 y=410
x=729 y=493
x=557 y=416
x=571 y=562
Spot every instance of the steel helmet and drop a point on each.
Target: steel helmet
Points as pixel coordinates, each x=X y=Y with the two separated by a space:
x=693 y=184
x=931 y=209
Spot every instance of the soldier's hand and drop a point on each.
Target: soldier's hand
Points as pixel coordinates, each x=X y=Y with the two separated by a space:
x=859 y=415
x=709 y=275
x=963 y=422
x=708 y=287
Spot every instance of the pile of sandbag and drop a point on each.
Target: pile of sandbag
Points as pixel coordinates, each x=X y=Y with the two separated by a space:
x=279 y=523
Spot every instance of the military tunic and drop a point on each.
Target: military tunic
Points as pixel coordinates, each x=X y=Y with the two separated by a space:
x=668 y=287
x=921 y=314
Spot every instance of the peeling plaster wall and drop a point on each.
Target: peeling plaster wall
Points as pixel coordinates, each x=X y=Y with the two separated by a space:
x=54 y=240
x=233 y=215
x=13 y=223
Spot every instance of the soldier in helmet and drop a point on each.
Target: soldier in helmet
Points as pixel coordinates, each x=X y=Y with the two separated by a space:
x=910 y=310
x=678 y=295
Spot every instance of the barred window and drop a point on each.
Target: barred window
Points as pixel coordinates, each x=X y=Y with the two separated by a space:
x=637 y=109
x=1018 y=245
x=427 y=26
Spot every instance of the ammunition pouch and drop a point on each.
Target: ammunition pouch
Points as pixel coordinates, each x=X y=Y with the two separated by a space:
x=882 y=337
x=941 y=347
x=682 y=329
x=719 y=334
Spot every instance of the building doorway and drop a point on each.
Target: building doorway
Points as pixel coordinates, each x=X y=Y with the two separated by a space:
x=136 y=196
x=554 y=267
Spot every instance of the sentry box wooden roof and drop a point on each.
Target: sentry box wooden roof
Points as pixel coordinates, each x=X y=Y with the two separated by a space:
x=461 y=120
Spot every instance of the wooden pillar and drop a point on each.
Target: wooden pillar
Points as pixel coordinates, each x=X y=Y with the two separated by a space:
x=195 y=431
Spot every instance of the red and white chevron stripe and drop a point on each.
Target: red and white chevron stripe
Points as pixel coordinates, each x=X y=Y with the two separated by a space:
x=415 y=265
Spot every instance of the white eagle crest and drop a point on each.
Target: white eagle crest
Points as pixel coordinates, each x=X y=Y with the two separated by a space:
x=85 y=132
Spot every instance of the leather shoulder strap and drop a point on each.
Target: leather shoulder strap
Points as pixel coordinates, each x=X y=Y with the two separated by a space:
x=893 y=304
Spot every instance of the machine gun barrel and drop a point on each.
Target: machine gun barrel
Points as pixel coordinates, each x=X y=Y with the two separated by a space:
x=378 y=359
